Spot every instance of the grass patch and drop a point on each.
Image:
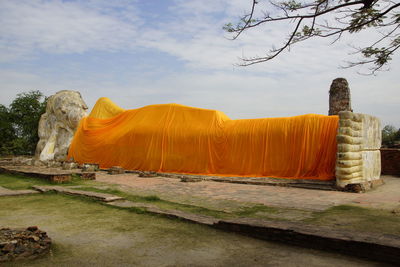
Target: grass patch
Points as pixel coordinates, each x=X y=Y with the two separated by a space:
x=250 y=211
x=358 y=218
x=20 y=182
x=152 y=198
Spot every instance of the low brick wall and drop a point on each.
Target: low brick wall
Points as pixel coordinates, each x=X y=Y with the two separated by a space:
x=390 y=158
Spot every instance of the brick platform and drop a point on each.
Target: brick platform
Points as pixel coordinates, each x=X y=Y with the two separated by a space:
x=51 y=174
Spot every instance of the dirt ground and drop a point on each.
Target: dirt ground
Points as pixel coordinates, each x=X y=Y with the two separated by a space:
x=86 y=233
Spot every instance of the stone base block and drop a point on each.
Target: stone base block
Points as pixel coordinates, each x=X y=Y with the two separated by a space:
x=90 y=167
x=69 y=165
x=363 y=187
x=116 y=170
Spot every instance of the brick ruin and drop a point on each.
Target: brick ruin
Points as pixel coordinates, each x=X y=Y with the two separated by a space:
x=23 y=244
x=339 y=97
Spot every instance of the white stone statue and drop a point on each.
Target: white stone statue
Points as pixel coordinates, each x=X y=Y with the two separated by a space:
x=57 y=126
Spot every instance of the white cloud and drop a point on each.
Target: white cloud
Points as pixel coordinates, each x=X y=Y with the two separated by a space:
x=295 y=83
x=35 y=26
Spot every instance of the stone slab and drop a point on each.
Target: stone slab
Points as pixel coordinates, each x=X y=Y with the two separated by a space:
x=130 y=204
x=99 y=196
x=7 y=192
x=195 y=218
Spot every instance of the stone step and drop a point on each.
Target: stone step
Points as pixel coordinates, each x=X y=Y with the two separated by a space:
x=8 y=192
x=99 y=196
x=373 y=246
x=318 y=185
x=195 y=218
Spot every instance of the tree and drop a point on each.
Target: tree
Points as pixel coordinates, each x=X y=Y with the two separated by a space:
x=7 y=133
x=328 y=18
x=25 y=112
x=390 y=135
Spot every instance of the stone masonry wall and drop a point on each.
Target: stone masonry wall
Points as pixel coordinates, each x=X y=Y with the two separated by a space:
x=358 y=157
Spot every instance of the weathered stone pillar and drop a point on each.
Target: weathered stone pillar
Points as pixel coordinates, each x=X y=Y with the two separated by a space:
x=339 y=96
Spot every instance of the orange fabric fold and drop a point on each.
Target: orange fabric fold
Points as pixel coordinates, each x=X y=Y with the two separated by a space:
x=181 y=139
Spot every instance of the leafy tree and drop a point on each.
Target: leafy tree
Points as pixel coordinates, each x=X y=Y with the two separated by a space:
x=25 y=112
x=7 y=133
x=390 y=135
x=328 y=18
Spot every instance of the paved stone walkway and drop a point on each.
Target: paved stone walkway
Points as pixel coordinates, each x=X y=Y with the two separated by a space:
x=386 y=196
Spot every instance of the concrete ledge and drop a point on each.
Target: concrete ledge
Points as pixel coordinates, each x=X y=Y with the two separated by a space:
x=4 y=192
x=384 y=248
x=194 y=218
x=98 y=196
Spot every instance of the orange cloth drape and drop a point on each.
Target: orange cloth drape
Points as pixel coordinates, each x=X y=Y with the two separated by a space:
x=181 y=139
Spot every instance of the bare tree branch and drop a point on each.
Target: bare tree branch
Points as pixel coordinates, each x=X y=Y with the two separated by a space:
x=349 y=17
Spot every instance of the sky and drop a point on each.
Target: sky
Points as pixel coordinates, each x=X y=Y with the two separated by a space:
x=139 y=52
